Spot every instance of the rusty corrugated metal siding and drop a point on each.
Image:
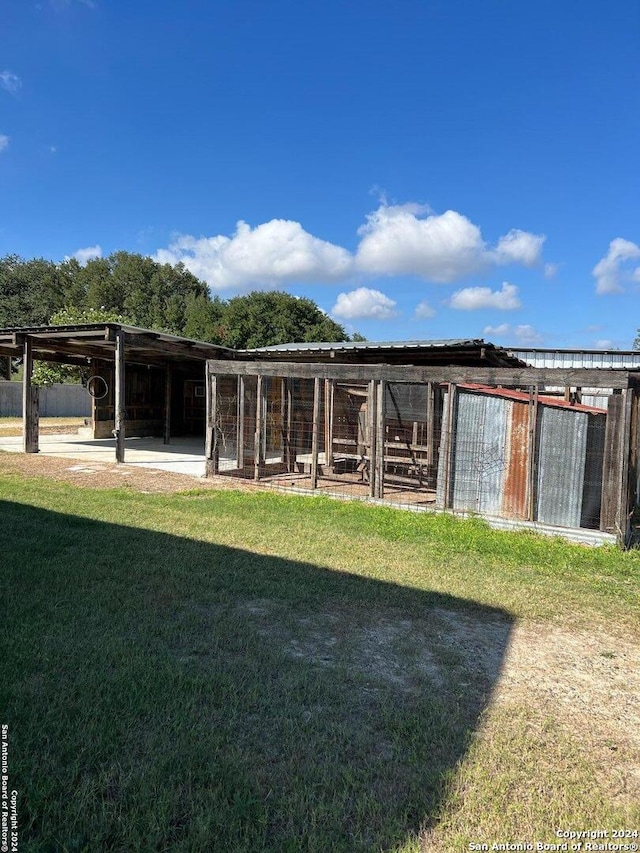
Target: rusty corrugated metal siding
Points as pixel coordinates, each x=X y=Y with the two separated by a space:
x=514 y=497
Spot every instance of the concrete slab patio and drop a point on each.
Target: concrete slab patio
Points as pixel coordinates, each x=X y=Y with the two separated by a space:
x=182 y=456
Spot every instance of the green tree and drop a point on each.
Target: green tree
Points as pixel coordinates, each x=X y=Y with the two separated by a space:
x=30 y=291
x=265 y=318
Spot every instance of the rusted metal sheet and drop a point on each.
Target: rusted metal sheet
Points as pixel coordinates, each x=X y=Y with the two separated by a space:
x=490 y=456
x=514 y=495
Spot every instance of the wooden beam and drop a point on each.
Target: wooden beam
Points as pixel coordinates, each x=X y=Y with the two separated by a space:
x=430 y=424
x=291 y=448
x=211 y=449
x=623 y=514
x=315 y=433
x=119 y=430
x=380 y=439
x=240 y=425
x=30 y=401
x=615 y=468
x=283 y=420
x=451 y=429
x=257 y=439
x=329 y=408
x=505 y=376
x=168 y=382
x=371 y=436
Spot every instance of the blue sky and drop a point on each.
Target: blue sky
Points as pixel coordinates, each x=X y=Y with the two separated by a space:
x=421 y=169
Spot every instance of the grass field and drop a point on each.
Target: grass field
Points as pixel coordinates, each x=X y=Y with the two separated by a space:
x=235 y=671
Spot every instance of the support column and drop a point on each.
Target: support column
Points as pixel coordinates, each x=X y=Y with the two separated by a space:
x=240 y=425
x=430 y=424
x=119 y=404
x=449 y=445
x=283 y=421
x=315 y=433
x=614 y=512
x=258 y=459
x=371 y=436
x=291 y=450
x=30 y=402
x=380 y=438
x=168 y=381
x=211 y=449
x=329 y=396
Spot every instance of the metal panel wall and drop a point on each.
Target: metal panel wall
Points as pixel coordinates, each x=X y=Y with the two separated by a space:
x=562 y=450
x=478 y=453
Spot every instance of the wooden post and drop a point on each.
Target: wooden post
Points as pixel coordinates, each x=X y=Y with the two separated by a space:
x=532 y=462
x=211 y=449
x=168 y=378
x=380 y=438
x=315 y=433
x=371 y=436
x=291 y=450
x=119 y=404
x=449 y=445
x=430 y=424
x=30 y=402
x=5 y=367
x=257 y=439
x=240 y=425
x=329 y=399
x=283 y=420
x=614 y=512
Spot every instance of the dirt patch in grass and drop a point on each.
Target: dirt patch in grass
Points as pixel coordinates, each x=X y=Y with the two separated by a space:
x=103 y=475
x=587 y=682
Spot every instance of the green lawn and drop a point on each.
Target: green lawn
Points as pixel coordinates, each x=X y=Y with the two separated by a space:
x=253 y=672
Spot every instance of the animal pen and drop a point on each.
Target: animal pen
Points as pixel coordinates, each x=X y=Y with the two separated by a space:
x=474 y=440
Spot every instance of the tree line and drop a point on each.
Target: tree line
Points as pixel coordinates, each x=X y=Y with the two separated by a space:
x=136 y=290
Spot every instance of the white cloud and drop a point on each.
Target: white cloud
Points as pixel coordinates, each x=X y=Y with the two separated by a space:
x=497 y=331
x=10 y=82
x=550 y=270
x=519 y=247
x=4 y=142
x=613 y=270
x=440 y=248
x=88 y=254
x=525 y=335
x=364 y=303
x=277 y=252
x=395 y=240
x=475 y=298
x=603 y=343
x=424 y=310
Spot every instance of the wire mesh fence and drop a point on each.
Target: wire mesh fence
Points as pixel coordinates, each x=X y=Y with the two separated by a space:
x=484 y=450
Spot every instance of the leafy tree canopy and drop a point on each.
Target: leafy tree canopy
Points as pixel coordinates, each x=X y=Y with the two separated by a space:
x=272 y=317
x=137 y=290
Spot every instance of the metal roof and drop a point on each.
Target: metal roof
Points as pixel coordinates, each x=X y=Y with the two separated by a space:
x=322 y=346
x=74 y=344
x=577 y=358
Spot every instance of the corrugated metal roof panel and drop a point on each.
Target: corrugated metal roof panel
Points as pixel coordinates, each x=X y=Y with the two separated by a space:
x=590 y=359
x=321 y=346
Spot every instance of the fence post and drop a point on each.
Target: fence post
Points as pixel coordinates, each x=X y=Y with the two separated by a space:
x=30 y=402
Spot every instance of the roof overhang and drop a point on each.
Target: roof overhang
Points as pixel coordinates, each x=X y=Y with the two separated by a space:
x=81 y=343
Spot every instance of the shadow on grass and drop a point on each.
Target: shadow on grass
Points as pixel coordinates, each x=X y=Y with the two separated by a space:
x=170 y=694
